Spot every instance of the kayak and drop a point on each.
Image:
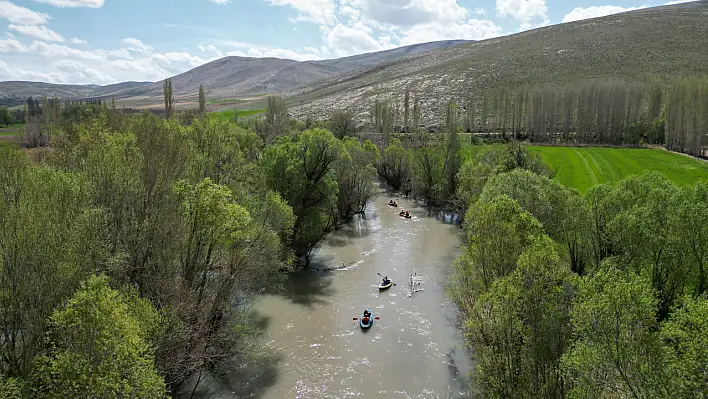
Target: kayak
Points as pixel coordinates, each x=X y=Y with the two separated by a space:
x=394 y=204
x=371 y=320
x=383 y=287
x=404 y=216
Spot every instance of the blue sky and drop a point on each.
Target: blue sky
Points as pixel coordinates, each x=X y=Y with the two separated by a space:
x=108 y=41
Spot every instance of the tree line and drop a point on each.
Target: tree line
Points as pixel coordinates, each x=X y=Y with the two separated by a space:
x=600 y=295
x=597 y=112
x=130 y=255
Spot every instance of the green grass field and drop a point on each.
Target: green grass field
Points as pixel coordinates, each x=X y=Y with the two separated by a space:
x=227 y=101
x=582 y=168
x=229 y=115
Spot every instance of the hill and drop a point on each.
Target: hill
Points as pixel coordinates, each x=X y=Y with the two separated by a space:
x=660 y=41
x=230 y=77
x=227 y=77
x=16 y=92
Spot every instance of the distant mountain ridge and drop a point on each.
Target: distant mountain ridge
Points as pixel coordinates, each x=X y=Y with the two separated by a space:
x=227 y=77
x=16 y=92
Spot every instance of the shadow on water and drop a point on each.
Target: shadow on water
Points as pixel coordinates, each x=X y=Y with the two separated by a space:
x=309 y=287
x=360 y=226
x=251 y=379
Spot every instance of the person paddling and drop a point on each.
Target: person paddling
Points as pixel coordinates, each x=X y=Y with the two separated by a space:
x=386 y=281
x=366 y=318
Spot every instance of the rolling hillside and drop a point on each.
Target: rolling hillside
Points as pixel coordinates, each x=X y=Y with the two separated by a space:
x=16 y=92
x=661 y=41
x=227 y=77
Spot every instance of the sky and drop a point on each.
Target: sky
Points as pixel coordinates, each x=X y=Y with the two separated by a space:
x=110 y=41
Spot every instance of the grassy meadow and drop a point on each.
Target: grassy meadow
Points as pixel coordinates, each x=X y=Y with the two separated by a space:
x=584 y=167
x=229 y=115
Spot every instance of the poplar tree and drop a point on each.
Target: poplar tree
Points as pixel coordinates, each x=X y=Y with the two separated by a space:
x=169 y=98
x=202 y=100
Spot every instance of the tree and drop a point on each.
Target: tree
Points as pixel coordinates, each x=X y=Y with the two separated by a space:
x=497 y=233
x=99 y=347
x=521 y=327
x=301 y=169
x=202 y=100
x=169 y=98
x=275 y=118
x=687 y=349
x=395 y=164
x=50 y=239
x=383 y=118
x=406 y=111
x=562 y=212
x=429 y=174
x=5 y=116
x=355 y=173
x=690 y=223
x=615 y=352
x=342 y=123
x=453 y=158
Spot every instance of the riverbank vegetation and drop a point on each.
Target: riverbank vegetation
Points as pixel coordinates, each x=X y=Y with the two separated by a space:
x=130 y=254
x=584 y=296
x=167 y=228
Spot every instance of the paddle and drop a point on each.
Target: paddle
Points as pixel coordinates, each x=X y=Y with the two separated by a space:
x=375 y=318
x=383 y=276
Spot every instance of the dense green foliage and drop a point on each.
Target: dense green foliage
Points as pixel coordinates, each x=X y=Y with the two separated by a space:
x=97 y=347
x=594 y=296
x=195 y=219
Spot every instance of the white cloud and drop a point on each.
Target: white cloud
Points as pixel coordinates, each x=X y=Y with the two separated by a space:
x=524 y=11
x=219 y=1
x=11 y=45
x=137 y=45
x=346 y=40
x=473 y=29
x=40 y=32
x=76 y=40
x=80 y=72
x=21 y=15
x=580 y=13
x=318 y=11
x=73 y=3
x=253 y=50
x=9 y=73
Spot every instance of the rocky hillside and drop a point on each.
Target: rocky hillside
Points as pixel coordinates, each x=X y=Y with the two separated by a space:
x=661 y=41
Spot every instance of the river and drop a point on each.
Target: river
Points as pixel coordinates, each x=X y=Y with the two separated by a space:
x=313 y=349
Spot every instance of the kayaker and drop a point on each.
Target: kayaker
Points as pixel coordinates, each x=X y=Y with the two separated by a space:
x=407 y=214
x=366 y=318
x=386 y=281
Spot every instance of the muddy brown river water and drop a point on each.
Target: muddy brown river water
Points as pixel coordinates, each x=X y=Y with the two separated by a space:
x=313 y=349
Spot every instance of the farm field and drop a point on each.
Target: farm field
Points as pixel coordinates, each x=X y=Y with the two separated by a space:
x=583 y=167
x=229 y=115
